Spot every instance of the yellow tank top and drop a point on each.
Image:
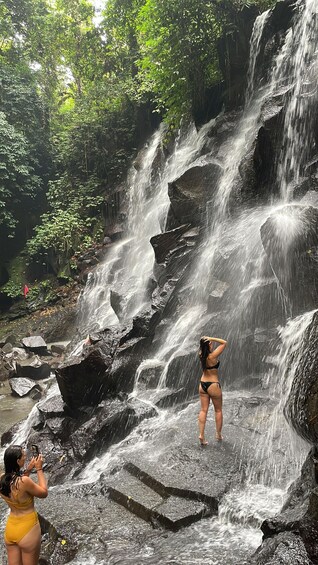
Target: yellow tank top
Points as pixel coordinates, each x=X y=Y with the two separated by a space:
x=17 y=504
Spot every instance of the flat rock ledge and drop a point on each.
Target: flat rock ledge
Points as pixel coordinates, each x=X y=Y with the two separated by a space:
x=155 y=502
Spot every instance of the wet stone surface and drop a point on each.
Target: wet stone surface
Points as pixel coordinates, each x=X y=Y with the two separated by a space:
x=179 y=478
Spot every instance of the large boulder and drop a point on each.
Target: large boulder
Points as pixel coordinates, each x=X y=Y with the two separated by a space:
x=103 y=369
x=35 y=343
x=190 y=193
x=302 y=404
x=290 y=239
x=24 y=387
x=111 y=422
x=82 y=380
x=164 y=243
x=33 y=368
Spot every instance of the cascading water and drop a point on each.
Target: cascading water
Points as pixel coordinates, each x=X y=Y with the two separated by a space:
x=300 y=68
x=238 y=239
x=255 y=44
x=128 y=266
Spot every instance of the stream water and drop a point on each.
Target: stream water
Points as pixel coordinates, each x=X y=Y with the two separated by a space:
x=232 y=243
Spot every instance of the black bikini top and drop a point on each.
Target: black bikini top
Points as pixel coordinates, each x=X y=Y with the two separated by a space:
x=214 y=366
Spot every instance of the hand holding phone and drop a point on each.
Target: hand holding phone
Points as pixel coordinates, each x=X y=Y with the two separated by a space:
x=35 y=450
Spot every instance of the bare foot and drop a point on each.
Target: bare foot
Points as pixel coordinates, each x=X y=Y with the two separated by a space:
x=202 y=441
x=218 y=436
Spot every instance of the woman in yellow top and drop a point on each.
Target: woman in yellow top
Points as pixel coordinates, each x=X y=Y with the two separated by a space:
x=22 y=534
x=210 y=388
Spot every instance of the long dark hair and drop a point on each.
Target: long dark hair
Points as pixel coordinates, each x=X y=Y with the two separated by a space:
x=204 y=351
x=11 y=468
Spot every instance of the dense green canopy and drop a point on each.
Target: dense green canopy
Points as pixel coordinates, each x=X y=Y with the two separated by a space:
x=78 y=94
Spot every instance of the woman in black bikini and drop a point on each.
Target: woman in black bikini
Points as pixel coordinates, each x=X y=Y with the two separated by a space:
x=210 y=388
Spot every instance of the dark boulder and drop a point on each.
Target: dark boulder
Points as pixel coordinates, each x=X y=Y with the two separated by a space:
x=233 y=53
x=189 y=193
x=82 y=381
x=121 y=298
x=258 y=167
x=165 y=242
x=290 y=239
x=7 y=348
x=103 y=369
x=33 y=368
x=167 y=397
x=284 y=549
x=310 y=199
x=264 y=306
x=126 y=362
x=292 y=535
x=22 y=387
x=144 y=324
x=9 y=434
x=52 y=407
x=13 y=339
x=112 y=421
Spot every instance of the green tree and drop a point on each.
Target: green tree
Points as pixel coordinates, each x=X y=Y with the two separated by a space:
x=178 y=60
x=18 y=182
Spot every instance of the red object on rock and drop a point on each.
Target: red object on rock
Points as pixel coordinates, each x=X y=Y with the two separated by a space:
x=25 y=290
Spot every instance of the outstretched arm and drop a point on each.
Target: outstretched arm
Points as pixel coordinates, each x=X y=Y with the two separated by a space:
x=218 y=340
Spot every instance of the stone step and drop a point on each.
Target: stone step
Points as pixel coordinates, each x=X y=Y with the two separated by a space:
x=165 y=489
x=170 y=511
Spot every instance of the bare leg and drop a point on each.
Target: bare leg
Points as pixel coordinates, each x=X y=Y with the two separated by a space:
x=14 y=554
x=205 y=402
x=217 y=403
x=30 y=546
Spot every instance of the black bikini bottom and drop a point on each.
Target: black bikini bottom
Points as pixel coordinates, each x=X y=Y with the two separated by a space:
x=205 y=385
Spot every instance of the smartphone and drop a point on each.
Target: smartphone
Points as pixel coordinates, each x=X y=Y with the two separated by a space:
x=35 y=450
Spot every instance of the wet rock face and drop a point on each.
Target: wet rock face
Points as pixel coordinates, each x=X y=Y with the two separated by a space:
x=284 y=549
x=184 y=373
x=258 y=168
x=292 y=535
x=189 y=193
x=164 y=243
x=302 y=405
x=69 y=440
x=111 y=422
x=290 y=239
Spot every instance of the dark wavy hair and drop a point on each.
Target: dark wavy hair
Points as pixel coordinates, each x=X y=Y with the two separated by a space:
x=204 y=351
x=11 y=468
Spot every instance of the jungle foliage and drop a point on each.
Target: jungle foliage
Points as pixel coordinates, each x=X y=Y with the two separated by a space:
x=77 y=94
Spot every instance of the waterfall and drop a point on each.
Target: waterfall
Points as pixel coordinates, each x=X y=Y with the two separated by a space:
x=300 y=68
x=128 y=265
x=281 y=438
x=232 y=251
x=255 y=45
x=254 y=314
x=130 y=260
